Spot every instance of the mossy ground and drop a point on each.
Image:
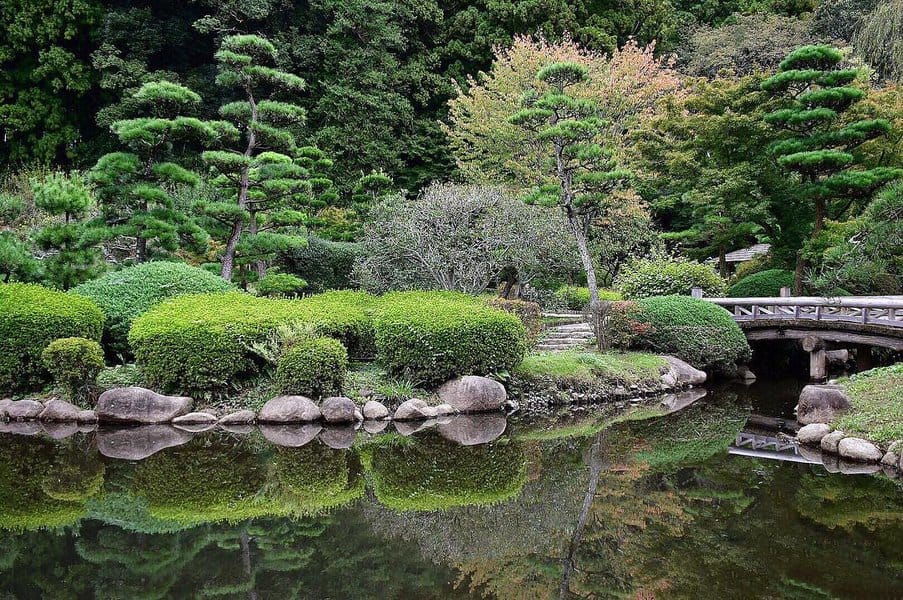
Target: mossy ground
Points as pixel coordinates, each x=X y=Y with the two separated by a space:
x=578 y=367
x=877 y=412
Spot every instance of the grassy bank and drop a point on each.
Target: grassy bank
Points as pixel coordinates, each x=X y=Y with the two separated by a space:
x=877 y=412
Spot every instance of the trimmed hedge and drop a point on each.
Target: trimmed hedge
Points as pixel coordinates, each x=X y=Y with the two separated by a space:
x=280 y=284
x=74 y=363
x=431 y=337
x=125 y=294
x=569 y=297
x=31 y=317
x=323 y=264
x=764 y=284
x=699 y=332
x=314 y=368
x=650 y=277
x=529 y=313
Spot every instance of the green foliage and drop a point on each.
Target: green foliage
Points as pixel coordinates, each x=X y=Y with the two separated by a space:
x=314 y=478
x=572 y=297
x=647 y=277
x=878 y=39
x=430 y=337
x=435 y=474
x=30 y=318
x=764 y=284
x=123 y=295
x=280 y=284
x=314 y=368
x=16 y=260
x=877 y=407
x=74 y=363
x=325 y=265
x=699 y=332
x=529 y=313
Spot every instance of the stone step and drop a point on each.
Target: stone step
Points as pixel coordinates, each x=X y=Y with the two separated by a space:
x=573 y=327
x=570 y=346
x=568 y=334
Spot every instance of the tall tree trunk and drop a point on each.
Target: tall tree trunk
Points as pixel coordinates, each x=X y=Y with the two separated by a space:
x=587 y=260
x=260 y=265
x=722 y=262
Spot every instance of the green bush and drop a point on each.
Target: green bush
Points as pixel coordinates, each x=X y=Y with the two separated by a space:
x=31 y=317
x=569 y=297
x=280 y=284
x=430 y=337
x=764 y=284
x=323 y=264
x=699 y=332
x=74 y=363
x=649 y=277
x=529 y=313
x=210 y=342
x=125 y=294
x=313 y=368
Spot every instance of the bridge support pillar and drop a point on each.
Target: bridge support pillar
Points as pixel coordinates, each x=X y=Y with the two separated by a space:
x=818 y=359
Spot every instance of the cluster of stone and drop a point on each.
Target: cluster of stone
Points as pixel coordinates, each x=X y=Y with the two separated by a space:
x=836 y=442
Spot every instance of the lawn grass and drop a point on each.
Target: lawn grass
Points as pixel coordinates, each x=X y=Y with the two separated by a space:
x=586 y=367
x=877 y=397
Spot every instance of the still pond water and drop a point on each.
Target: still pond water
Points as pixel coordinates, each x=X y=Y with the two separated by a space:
x=581 y=504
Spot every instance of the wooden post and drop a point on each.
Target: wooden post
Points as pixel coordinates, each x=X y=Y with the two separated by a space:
x=696 y=292
x=815 y=346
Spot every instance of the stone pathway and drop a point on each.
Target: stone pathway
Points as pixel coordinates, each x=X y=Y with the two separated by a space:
x=565 y=337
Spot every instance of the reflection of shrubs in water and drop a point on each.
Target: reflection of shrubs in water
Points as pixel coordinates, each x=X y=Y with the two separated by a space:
x=74 y=477
x=314 y=477
x=689 y=436
x=24 y=468
x=433 y=473
x=846 y=502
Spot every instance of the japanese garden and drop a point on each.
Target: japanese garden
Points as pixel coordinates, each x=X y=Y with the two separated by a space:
x=492 y=299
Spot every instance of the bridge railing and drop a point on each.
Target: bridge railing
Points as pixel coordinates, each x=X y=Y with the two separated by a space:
x=876 y=310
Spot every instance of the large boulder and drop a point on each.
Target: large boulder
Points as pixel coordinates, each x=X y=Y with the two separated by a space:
x=859 y=450
x=339 y=409
x=60 y=411
x=289 y=409
x=683 y=372
x=139 y=405
x=374 y=410
x=471 y=430
x=821 y=404
x=473 y=394
x=22 y=410
x=813 y=433
x=414 y=409
x=136 y=443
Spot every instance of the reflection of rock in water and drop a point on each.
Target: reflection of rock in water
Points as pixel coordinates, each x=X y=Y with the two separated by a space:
x=137 y=443
x=470 y=430
x=291 y=436
x=680 y=400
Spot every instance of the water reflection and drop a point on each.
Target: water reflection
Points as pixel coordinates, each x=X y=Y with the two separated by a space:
x=585 y=503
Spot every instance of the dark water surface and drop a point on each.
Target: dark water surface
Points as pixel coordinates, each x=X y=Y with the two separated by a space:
x=585 y=503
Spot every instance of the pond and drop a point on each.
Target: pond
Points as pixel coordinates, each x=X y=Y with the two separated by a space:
x=585 y=502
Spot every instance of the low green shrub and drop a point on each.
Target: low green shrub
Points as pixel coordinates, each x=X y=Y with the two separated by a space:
x=647 y=277
x=314 y=367
x=323 y=264
x=280 y=284
x=764 y=284
x=125 y=294
x=346 y=316
x=31 y=317
x=574 y=298
x=74 y=363
x=529 y=313
x=699 y=332
x=430 y=337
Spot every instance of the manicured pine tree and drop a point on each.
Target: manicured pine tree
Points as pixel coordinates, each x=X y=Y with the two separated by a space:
x=582 y=172
x=820 y=147
x=135 y=188
x=267 y=182
x=71 y=240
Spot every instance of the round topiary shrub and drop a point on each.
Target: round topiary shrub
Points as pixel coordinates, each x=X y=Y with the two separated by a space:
x=74 y=363
x=125 y=294
x=280 y=284
x=764 y=284
x=431 y=337
x=699 y=332
x=314 y=368
x=649 y=277
x=31 y=317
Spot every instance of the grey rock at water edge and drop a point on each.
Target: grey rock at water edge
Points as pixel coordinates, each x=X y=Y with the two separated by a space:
x=338 y=438
x=443 y=410
x=338 y=409
x=669 y=380
x=358 y=415
x=830 y=441
x=859 y=450
x=414 y=409
x=407 y=428
x=472 y=430
x=290 y=436
x=893 y=455
x=195 y=418
x=60 y=430
x=87 y=416
x=60 y=411
x=685 y=373
x=3 y=404
x=289 y=409
x=374 y=410
x=744 y=373
x=21 y=410
x=472 y=394
x=136 y=443
x=821 y=404
x=813 y=433
x=812 y=454
x=140 y=405
x=239 y=417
